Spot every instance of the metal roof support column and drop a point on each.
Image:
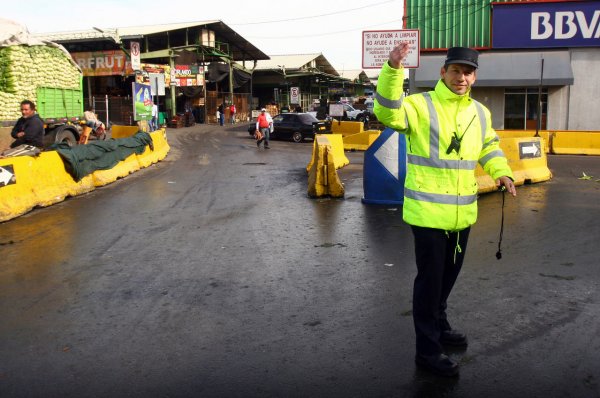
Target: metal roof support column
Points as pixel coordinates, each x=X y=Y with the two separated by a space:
x=230 y=80
x=204 y=88
x=173 y=85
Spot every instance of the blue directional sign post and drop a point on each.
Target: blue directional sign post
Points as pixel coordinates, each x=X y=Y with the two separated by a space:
x=384 y=169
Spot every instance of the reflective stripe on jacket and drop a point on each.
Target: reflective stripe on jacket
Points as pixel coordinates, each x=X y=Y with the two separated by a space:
x=440 y=189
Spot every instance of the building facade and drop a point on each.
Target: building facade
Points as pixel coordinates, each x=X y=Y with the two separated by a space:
x=529 y=50
x=192 y=68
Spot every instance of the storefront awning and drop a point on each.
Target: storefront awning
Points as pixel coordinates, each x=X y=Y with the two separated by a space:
x=505 y=69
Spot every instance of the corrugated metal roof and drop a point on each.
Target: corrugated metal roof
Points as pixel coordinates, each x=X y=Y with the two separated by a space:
x=355 y=74
x=293 y=61
x=241 y=48
x=120 y=32
x=77 y=35
x=298 y=62
x=152 y=29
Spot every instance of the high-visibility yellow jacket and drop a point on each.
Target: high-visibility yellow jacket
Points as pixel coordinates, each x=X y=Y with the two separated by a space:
x=440 y=189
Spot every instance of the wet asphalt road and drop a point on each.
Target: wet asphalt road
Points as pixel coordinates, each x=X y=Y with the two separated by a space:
x=212 y=274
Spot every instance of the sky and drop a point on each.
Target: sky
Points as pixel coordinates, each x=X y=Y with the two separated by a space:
x=333 y=28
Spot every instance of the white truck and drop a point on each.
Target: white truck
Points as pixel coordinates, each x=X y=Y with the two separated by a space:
x=354 y=114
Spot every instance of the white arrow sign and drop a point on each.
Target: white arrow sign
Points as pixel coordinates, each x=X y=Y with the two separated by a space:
x=530 y=150
x=387 y=154
x=5 y=176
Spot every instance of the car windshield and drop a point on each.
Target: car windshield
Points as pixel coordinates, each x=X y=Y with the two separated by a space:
x=278 y=119
x=307 y=118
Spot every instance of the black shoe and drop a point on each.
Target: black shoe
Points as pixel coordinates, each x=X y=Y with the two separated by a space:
x=266 y=147
x=453 y=338
x=439 y=364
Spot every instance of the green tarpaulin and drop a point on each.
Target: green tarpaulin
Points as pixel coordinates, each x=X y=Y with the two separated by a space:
x=82 y=160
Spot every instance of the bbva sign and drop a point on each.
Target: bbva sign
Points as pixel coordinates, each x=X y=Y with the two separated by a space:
x=564 y=25
x=546 y=24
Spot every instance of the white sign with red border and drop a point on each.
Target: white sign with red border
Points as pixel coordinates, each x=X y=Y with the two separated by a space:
x=377 y=45
x=294 y=95
x=135 y=55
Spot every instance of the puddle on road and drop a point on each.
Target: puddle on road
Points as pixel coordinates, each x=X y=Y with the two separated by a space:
x=329 y=244
x=560 y=277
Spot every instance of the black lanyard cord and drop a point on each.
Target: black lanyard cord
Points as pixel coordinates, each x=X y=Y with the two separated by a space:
x=499 y=252
x=456 y=140
x=465 y=132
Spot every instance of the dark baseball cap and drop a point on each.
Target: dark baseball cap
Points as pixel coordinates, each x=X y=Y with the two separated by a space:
x=462 y=55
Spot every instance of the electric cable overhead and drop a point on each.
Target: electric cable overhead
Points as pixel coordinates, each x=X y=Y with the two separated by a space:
x=313 y=16
x=326 y=33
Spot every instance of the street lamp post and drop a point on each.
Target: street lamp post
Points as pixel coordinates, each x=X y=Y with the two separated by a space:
x=287 y=91
x=318 y=86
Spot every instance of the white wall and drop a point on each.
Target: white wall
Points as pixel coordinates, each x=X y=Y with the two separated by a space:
x=583 y=108
x=493 y=99
x=558 y=107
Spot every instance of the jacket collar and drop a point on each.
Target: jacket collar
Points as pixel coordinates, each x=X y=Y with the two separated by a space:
x=446 y=94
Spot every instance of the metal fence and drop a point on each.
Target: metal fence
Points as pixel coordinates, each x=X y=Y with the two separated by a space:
x=112 y=110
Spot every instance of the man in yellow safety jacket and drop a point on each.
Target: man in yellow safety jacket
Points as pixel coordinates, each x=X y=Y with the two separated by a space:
x=447 y=134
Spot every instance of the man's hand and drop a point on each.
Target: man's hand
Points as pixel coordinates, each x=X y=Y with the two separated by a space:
x=20 y=134
x=398 y=55
x=506 y=182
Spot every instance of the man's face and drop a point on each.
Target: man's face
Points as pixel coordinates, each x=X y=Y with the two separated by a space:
x=458 y=77
x=26 y=110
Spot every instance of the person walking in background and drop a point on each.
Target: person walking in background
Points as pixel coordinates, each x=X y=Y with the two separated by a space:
x=263 y=124
x=154 y=122
x=29 y=129
x=232 y=112
x=448 y=133
x=221 y=115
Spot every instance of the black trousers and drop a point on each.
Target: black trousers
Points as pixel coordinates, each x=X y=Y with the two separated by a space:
x=439 y=261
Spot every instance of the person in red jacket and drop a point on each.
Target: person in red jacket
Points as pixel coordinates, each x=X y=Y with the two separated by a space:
x=232 y=111
x=263 y=124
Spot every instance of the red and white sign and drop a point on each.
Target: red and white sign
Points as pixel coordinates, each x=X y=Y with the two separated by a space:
x=294 y=95
x=136 y=63
x=377 y=45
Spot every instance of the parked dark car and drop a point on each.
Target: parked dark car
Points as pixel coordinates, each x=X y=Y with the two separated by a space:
x=295 y=126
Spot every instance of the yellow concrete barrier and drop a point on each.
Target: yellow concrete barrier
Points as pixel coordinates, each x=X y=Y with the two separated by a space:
x=346 y=127
x=323 y=179
x=120 y=170
x=135 y=162
x=336 y=142
x=361 y=141
x=123 y=131
x=161 y=148
x=527 y=160
x=36 y=181
x=27 y=182
x=545 y=134
x=576 y=143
